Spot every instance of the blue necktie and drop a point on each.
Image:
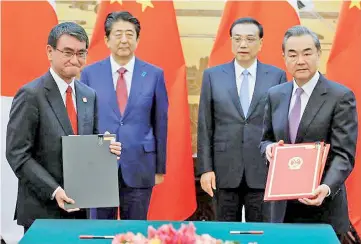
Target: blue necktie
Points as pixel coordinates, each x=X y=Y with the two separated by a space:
x=244 y=93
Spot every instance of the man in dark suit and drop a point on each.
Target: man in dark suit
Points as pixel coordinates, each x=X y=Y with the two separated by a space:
x=44 y=110
x=310 y=109
x=133 y=104
x=230 y=119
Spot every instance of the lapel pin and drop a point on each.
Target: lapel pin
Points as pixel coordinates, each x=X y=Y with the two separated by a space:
x=85 y=100
x=144 y=73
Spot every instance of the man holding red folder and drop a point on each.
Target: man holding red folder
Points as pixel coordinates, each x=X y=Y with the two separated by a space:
x=309 y=109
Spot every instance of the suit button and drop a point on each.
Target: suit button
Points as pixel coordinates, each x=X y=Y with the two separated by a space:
x=121 y=123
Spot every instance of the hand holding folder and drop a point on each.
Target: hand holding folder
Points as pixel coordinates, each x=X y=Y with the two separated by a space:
x=295 y=171
x=90 y=170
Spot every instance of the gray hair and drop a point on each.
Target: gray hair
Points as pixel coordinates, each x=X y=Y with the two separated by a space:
x=67 y=28
x=300 y=30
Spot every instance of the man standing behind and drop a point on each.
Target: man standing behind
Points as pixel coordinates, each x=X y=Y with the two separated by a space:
x=310 y=109
x=230 y=120
x=133 y=104
x=43 y=111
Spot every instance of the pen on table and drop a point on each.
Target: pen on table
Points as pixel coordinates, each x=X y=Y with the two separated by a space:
x=251 y=232
x=95 y=237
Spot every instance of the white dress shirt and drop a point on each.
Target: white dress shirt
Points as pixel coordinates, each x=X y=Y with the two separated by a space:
x=62 y=86
x=128 y=76
x=305 y=96
x=252 y=70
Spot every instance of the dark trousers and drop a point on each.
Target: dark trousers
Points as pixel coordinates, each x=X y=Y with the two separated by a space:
x=229 y=203
x=81 y=214
x=134 y=203
x=297 y=212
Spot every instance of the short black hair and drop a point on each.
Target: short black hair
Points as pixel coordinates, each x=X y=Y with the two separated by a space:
x=247 y=20
x=67 y=28
x=299 y=30
x=121 y=15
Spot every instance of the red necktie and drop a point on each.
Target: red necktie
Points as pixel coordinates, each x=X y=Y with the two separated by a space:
x=121 y=91
x=71 y=110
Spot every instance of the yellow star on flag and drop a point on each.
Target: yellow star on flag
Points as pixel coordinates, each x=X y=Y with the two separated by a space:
x=355 y=3
x=145 y=4
x=116 y=1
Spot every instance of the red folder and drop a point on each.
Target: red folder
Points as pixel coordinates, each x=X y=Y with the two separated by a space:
x=296 y=170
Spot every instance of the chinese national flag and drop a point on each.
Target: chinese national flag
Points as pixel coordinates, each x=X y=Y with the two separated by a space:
x=275 y=17
x=344 y=66
x=160 y=45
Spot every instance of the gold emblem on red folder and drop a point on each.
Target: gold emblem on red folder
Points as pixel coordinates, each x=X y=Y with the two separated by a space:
x=295 y=163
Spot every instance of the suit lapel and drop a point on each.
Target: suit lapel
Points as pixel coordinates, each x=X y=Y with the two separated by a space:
x=139 y=75
x=107 y=81
x=229 y=70
x=284 y=105
x=80 y=107
x=313 y=106
x=56 y=102
x=259 y=89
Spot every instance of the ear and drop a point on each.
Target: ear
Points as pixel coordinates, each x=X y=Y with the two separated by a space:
x=284 y=58
x=260 y=44
x=319 y=53
x=106 y=41
x=137 y=42
x=49 y=52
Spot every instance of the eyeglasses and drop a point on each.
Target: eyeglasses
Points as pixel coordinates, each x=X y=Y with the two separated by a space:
x=239 y=39
x=70 y=54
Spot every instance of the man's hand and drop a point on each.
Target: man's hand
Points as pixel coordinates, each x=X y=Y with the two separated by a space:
x=159 y=178
x=319 y=195
x=116 y=148
x=62 y=198
x=208 y=182
x=270 y=149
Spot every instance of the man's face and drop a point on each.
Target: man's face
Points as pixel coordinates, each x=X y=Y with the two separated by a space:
x=246 y=43
x=301 y=57
x=68 y=58
x=122 y=40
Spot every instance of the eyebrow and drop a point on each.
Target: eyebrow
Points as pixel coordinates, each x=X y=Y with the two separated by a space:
x=70 y=49
x=304 y=50
x=249 y=35
x=124 y=30
x=307 y=49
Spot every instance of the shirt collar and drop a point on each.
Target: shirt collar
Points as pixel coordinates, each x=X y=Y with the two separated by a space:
x=115 y=66
x=239 y=69
x=62 y=85
x=309 y=86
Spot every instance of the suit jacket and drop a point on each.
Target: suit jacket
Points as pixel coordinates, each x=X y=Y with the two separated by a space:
x=142 y=129
x=227 y=141
x=38 y=120
x=330 y=116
